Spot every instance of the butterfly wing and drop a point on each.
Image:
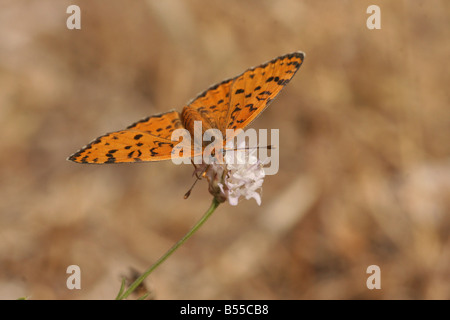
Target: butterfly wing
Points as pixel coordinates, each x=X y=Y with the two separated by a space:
x=234 y=103
x=145 y=140
x=212 y=105
x=253 y=90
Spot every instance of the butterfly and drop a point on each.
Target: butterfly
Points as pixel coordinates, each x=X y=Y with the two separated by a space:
x=230 y=104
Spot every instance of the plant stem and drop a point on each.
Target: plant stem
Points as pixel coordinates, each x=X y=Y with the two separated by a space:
x=139 y=280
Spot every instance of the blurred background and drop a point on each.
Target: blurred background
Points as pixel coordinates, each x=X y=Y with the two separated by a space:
x=364 y=174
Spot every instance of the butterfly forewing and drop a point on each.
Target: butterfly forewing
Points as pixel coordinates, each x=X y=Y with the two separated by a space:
x=161 y=125
x=212 y=104
x=145 y=140
x=252 y=91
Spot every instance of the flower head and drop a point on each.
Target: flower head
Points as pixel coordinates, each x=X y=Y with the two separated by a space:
x=240 y=175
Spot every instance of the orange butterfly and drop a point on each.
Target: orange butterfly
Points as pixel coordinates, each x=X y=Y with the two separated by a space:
x=231 y=104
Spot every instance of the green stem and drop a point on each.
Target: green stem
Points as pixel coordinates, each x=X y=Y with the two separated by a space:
x=139 y=280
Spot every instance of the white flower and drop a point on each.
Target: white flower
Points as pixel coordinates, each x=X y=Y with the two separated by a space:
x=241 y=175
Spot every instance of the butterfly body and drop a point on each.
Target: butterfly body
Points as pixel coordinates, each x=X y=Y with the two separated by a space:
x=231 y=104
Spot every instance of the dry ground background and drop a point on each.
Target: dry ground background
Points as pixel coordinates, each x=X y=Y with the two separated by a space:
x=364 y=154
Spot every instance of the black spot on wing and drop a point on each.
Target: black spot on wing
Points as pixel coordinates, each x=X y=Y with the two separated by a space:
x=154 y=153
x=111 y=160
x=250 y=106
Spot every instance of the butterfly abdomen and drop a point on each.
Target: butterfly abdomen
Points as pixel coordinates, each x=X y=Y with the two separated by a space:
x=189 y=116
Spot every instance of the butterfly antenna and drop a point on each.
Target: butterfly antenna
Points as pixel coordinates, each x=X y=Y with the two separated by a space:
x=269 y=147
x=187 y=194
x=198 y=177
